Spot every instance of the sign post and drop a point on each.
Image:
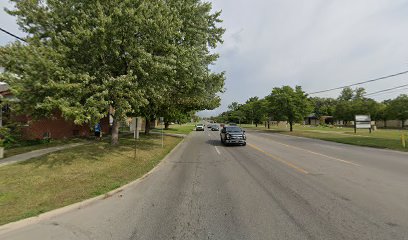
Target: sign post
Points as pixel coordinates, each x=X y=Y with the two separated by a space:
x=135 y=127
x=162 y=124
x=362 y=122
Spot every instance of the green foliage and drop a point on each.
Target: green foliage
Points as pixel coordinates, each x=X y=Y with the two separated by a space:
x=346 y=94
x=345 y=107
x=398 y=108
x=289 y=104
x=137 y=57
x=10 y=135
x=323 y=106
x=255 y=110
x=351 y=103
x=234 y=106
x=344 y=111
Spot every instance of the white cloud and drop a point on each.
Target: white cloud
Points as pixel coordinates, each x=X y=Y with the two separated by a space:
x=317 y=44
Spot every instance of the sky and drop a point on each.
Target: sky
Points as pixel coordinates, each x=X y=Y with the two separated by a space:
x=317 y=44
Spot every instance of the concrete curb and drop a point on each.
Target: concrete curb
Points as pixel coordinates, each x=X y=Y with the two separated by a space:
x=76 y=206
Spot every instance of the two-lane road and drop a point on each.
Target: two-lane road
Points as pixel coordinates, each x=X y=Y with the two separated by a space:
x=276 y=187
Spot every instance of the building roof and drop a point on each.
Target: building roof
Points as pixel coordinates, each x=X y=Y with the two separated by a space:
x=312 y=115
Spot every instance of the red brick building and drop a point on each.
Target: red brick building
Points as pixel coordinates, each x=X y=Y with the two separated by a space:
x=55 y=127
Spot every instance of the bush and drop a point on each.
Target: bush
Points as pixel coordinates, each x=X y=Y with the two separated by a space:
x=10 y=135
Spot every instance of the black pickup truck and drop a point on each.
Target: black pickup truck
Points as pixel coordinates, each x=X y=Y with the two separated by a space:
x=233 y=135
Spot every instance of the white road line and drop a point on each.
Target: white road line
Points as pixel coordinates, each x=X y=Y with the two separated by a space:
x=218 y=151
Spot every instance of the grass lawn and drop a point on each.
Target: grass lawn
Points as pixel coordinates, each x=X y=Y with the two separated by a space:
x=382 y=138
x=69 y=176
x=15 y=150
x=178 y=129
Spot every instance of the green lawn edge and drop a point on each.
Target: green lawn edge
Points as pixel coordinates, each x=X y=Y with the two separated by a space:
x=60 y=179
x=381 y=139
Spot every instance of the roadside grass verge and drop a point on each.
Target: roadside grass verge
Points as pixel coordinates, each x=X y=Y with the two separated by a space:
x=62 y=178
x=29 y=146
x=177 y=129
x=376 y=141
x=382 y=138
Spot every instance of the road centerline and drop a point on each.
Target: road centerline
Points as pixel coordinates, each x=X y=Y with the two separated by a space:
x=289 y=164
x=316 y=153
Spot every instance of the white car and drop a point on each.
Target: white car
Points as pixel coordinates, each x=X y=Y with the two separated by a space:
x=200 y=127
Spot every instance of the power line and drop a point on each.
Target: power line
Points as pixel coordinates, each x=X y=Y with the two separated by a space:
x=390 y=92
x=9 y=33
x=360 y=83
x=386 y=90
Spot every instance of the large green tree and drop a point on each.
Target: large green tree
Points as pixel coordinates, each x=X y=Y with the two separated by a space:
x=353 y=102
x=255 y=110
x=384 y=112
x=344 y=109
x=289 y=104
x=323 y=106
x=398 y=108
x=85 y=58
x=195 y=85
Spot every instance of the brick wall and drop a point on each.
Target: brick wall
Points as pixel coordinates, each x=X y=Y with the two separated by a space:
x=56 y=128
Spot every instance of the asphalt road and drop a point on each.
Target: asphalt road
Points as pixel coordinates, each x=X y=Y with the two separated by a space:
x=276 y=187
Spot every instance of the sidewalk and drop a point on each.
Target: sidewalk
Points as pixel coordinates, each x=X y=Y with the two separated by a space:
x=36 y=153
x=170 y=134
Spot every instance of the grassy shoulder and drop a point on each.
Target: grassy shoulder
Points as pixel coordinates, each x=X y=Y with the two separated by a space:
x=177 y=129
x=382 y=138
x=69 y=176
x=37 y=145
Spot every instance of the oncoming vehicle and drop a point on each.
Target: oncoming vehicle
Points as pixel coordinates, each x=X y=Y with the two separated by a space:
x=215 y=127
x=200 y=127
x=233 y=135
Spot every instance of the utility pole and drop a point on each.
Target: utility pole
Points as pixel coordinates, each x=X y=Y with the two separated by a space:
x=162 y=124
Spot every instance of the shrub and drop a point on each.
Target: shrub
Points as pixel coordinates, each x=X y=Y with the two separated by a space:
x=10 y=135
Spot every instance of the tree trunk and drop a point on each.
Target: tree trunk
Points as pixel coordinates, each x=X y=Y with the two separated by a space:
x=147 y=126
x=115 y=132
x=269 y=125
x=166 y=125
x=385 y=123
x=291 y=126
x=403 y=123
x=256 y=124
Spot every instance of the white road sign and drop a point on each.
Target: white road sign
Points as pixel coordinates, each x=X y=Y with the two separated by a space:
x=363 y=118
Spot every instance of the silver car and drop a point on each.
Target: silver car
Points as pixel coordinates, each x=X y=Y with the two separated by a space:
x=200 y=127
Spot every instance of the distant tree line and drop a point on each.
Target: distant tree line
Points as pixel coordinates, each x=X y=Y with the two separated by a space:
x=293 y=105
